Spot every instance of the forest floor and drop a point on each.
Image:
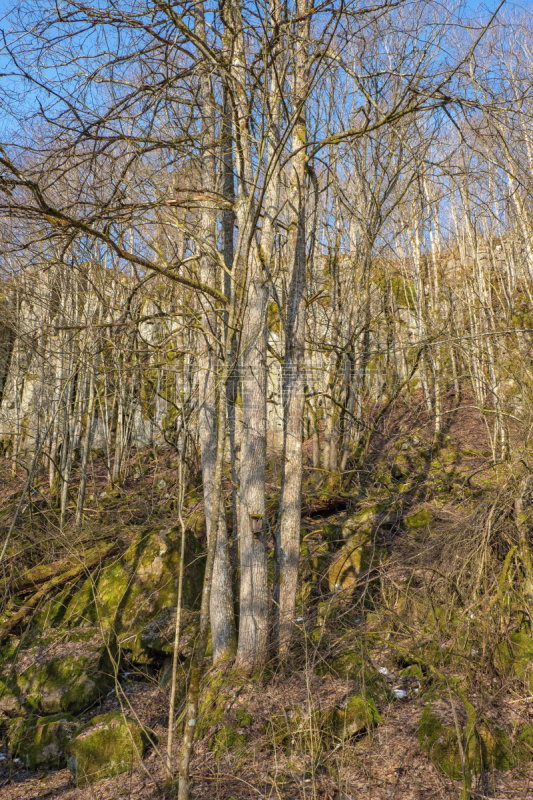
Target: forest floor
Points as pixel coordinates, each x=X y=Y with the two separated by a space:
x=386 y=764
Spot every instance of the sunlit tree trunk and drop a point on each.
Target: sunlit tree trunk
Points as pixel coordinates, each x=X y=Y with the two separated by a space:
x=221 y=608
x=288 y=539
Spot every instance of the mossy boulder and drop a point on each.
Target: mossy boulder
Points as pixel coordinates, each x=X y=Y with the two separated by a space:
x=359 y=716
x=63 y=671
x=107 y=745
x=514 y=656
x=10 y=704
x=367 y=520
x=40 y=742
x=130 y=591
x=353 y=563
x=419 y=519
x=445 y=735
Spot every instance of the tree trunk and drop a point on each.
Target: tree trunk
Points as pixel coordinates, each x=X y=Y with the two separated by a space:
x=288 y=537
x=222 y=616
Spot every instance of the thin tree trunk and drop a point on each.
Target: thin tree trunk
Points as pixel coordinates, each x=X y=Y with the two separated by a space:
x=193 y=699
x=222 y=616
x=86 y=449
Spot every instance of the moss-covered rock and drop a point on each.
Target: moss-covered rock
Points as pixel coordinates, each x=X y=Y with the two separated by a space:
x=158 y=635
x=359 y=715
x=107 y=745
x=444 y=736
x=64 y=671
x=10 y=704
x=40 y=742
x=419 y=519
x=131 y=591
x=367 y=519
x=354 y=560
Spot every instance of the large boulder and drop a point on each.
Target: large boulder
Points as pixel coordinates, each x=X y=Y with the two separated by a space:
x=62 y=671
x=40 y=742
x=107 y=745
x=130 y=592
x=158 y=635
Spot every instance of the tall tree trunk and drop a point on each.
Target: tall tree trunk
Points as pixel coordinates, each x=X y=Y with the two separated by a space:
x=228 y=228
x=253 y=595
x=222 y=615
x=193 y=699
x=288 y=537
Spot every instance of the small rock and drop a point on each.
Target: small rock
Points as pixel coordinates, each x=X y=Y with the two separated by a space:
x=359 y=715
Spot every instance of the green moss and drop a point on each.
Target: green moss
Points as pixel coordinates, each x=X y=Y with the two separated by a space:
x=514 y=656
x=216 y=693
x=107 y=745
x=487 y=748
x=360 y=715
x=41 y=741
x=525 y=744
x=412 y=671
x=65 y=671
x=228 y=739
x=357 y=557
x=131 y=591
x=244 y=719
x=420 y=519
x=441 y=744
